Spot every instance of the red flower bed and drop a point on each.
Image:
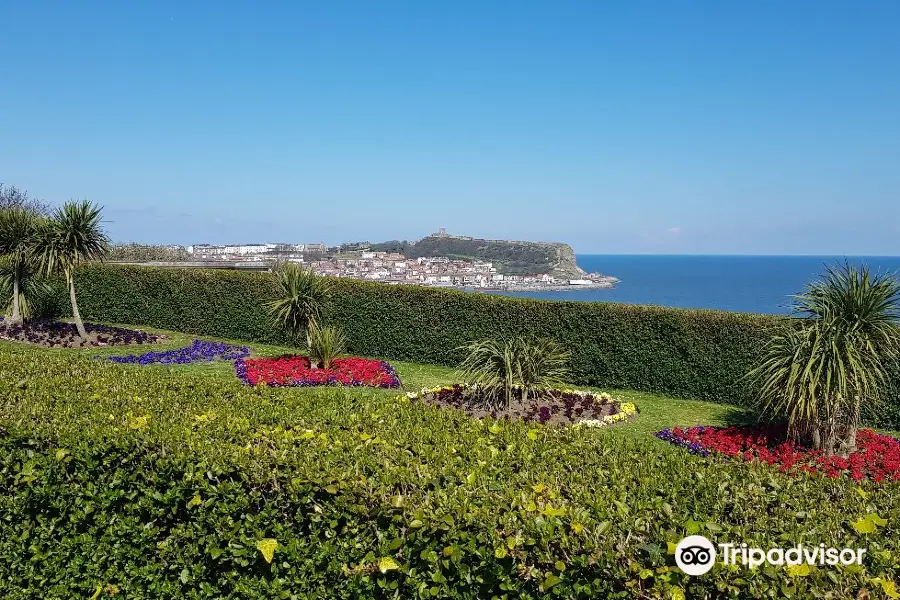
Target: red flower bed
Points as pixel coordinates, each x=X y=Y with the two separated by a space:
x=296 y=371
x=877 y=456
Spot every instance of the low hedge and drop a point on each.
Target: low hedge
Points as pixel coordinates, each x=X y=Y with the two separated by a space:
x=153 y=483
x=690 y=353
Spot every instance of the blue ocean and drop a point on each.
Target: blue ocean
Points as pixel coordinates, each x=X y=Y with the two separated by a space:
x=758 y=284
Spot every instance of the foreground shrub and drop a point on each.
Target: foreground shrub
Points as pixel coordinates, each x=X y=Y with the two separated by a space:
x=877 y=458
x=162 y=484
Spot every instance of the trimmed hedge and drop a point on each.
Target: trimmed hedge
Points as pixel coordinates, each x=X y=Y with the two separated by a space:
x=151 y=483
x=690 y=353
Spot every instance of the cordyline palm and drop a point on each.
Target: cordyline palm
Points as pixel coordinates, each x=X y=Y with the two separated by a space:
x=499 y=367
x=22 y=283
x=325 y=344
x=19 y=228
x=300 y=302
x=73 y=236
x=819 y=374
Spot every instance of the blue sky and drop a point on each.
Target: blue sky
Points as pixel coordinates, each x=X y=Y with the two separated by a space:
x=619 y=127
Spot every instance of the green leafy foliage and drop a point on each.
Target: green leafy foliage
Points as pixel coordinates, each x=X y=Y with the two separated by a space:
x=72 y=236
x=325 y=344
x=147 y=252
x=19 y=268
x=298 y=307
x=496 y=367
x=689 y=353
x=821 y=374
x=159 y=483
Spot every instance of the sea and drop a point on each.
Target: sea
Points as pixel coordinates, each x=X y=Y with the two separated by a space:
x=755 y=284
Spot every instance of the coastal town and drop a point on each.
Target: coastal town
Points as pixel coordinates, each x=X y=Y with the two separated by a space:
x=392 y=267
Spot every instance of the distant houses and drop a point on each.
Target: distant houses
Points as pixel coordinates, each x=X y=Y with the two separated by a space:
x=385 y=267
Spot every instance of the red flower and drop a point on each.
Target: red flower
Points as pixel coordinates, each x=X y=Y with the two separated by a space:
x=877 y=456
x=296 y=371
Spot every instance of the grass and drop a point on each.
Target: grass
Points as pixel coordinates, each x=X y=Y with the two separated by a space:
x=655 y=411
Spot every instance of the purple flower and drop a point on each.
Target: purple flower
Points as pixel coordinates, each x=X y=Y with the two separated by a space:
x=669 y=436
x=198 y=351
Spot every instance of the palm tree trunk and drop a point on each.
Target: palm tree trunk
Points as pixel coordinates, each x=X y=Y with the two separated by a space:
x=82 y=333
x=816 y=436
x=852 y=428
x=16 y=316
x=830 y=436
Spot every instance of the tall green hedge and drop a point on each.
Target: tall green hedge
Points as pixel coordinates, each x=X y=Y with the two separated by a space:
x=691 y=353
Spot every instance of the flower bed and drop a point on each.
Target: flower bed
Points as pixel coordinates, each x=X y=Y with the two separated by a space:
x=198 y=351
x=560 y=407
x=295 y=371
x=877 y=457
x=59 y=334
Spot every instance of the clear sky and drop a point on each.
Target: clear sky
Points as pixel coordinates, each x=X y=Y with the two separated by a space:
x=761 y=127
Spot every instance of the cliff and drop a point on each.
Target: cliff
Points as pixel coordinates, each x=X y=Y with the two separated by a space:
x=510 y=257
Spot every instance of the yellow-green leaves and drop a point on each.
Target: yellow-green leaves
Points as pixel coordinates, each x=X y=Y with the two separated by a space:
x=138 y=422
x=864 y=525
x=889 y=588
x=195 y=501
x=550 y=581
x=801 y=570
x=267 y=547
x=869 y=523
x=677 y=594
x=386 y=563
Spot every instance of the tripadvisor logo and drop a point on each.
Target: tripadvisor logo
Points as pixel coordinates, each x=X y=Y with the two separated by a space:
x=696 y=555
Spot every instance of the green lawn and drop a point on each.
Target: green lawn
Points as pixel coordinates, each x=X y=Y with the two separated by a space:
x=656 y=411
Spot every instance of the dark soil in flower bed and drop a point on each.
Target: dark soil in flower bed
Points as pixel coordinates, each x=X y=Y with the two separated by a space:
x=58 y=334
x=557 y=408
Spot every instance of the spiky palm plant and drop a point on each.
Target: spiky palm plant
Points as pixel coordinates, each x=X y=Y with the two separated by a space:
x=300 y=302
x=23 y=284
x=18 y=229
x=542 y=364
x=490 y=366
x=73 y=236
x=819 y=375
x=326 y=344
x=497 y=368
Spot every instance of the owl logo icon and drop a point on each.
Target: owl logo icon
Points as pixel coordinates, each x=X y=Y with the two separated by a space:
x=695 y=555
